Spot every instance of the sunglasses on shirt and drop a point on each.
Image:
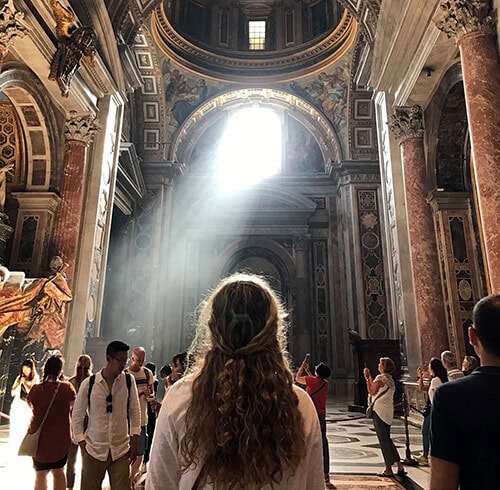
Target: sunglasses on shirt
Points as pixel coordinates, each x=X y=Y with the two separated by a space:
x=109 y=405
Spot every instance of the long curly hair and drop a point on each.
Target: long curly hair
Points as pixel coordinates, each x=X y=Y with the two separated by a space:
x=83 y=369
x=243 y=424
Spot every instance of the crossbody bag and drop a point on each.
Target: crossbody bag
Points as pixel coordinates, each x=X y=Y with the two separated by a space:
x=371 y=403
x=29 y=444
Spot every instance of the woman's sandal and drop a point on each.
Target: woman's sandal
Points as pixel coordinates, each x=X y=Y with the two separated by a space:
x=387 y=475
x=402 y=473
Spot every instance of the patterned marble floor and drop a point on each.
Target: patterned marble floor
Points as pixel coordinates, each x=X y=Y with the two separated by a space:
x=354 y=447
x=354 y=456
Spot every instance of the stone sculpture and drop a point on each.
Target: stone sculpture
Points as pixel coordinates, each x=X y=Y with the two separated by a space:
x=38 y=308
x=75 y=43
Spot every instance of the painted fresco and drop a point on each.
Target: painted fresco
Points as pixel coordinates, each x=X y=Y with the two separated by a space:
x=183 y=94
x=328 y=92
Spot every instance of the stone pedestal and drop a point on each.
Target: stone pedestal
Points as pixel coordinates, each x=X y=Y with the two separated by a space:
x=472 y=24
x=35 y=218
x=79 y=132
x=407 y=125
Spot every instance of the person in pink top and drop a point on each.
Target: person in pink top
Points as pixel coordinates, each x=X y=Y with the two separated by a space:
x=317 y=388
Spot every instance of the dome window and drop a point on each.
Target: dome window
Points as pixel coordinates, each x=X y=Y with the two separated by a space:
x=257 y=35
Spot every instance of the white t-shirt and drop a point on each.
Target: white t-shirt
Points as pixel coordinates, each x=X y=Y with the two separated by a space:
x=435 y=382
x=164 y=468
x=143 y=378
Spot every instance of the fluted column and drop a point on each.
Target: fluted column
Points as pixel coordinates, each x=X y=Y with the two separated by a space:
x=472 y=25
x=79 y=132
x=11 y=27
x=407 y=126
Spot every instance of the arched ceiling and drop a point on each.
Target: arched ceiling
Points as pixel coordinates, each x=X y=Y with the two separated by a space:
x=210 y=111
x=232 y=64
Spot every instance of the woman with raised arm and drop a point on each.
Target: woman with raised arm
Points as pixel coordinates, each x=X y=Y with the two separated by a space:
x=438 y=375
x=381 y=395
x=236 y=420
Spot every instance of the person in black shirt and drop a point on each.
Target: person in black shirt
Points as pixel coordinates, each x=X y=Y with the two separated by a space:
x=465 y=421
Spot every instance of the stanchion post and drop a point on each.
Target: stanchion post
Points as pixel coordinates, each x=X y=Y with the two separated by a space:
x=408 y=461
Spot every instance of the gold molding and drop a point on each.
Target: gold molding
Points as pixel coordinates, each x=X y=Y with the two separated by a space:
x=281 y=66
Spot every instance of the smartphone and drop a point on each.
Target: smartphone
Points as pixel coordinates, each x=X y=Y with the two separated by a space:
x=306 y=359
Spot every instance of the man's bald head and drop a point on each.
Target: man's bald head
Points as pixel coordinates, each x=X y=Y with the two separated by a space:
x=138 y=356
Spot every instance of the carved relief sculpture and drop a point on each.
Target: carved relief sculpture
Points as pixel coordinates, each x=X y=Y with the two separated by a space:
x=75 y=43
x=5 y=230
x=11 y=27
x=39 y=308
x=407 y=122
x=81 y=127
x=461 y=17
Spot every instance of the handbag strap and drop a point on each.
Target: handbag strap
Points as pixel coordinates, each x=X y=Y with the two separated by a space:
x=378 y=396
x=50 y=406
x=319 y=389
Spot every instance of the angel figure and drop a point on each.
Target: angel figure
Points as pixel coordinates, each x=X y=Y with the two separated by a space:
x=75 y=43
x=3 y=184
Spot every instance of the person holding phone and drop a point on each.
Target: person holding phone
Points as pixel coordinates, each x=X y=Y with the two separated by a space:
x=317 y=388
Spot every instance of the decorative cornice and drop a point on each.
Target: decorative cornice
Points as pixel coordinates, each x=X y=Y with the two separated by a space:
x=461 y=17
x=407 y=123
x=81 y=127
x=11 y=25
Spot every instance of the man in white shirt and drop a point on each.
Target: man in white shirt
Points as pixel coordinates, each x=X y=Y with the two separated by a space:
x=450 y=363
x=144 y=381
x=111 y=401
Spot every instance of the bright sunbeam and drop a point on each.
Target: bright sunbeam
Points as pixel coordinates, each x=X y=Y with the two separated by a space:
x=250 y=149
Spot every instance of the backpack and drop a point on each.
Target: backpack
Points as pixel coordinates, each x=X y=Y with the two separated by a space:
x=128 y=380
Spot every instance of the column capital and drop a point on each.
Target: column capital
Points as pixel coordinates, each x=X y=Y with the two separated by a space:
x=11 y=25
x=461 y=17
x=407 y=122
x=301 y=242
x=81 y=127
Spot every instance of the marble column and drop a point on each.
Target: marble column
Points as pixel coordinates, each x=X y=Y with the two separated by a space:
x=11 y=27
x=79 y=132
x=472 y=25
x=407 y=126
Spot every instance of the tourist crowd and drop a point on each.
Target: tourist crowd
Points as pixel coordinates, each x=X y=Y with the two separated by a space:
x=232 y=415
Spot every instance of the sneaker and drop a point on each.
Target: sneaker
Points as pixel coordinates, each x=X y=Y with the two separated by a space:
x=423 y=460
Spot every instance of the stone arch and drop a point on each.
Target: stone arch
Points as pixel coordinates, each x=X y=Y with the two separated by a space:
x=43 y=139
x=447 y=135
x=267 y=249
x=215 y=108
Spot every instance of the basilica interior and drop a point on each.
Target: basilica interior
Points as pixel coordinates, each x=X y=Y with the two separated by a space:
x=347 y=150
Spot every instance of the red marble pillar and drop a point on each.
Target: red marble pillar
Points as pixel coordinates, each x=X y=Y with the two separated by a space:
x=472 y=24
x=407 y=125
x=66 y=235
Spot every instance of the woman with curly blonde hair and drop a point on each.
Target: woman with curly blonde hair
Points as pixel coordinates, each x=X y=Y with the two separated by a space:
x=236 y=421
